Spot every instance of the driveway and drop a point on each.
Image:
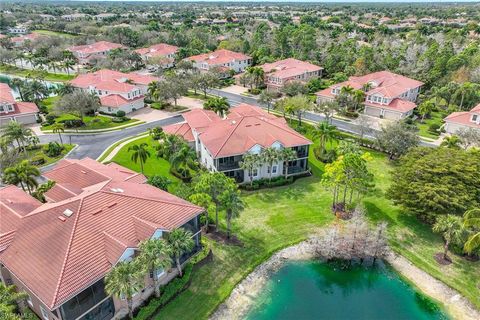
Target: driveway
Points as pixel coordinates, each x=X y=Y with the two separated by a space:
x=149 y=114
x=235 y=89
x=190 y=103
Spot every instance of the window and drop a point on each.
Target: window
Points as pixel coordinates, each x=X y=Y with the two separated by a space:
x=474 y=117
x=2 y=109
x=255 y=173
x=274 y=169
x=29 y=300
x=10 y=108
x=44 y=313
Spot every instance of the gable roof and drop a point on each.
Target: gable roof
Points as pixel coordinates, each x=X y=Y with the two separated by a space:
x=57 y=256
x=465 y=117
x=95 y=47
x=157 y=50
x=288 y=68
x=112 y=80
x=219 y=57
x=19 y=107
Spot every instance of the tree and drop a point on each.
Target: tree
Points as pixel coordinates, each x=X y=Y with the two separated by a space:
x=179 y=241
x=471 y=219
x=185 y=158
x=58 y=128
x=436 y=181
x=39 y=193
x=207 y=81
x=250 y=162
x=173 y=87
x=213 y=184
x=140 y=153
x=78 y=103
x=287 y=155
x=160 y=182
x=154 y=256
x=326 y=133
x=397 y=138
x=294 y=88
x=267 y=97
x=256 y=74
x=169 y=145
x=270 y=156
x=205 y=201
x=297 y=105
x=35 y=91
x=233 y=205
x=469 y=137
x=327 y=108
x=451 y=142
x=364 y=124
x=124 y=281
x=425 y=108
x=24 y=174
x=450 y=227
x=65 y=89
x=16 y=131
x=9 y=297
x=219 y=105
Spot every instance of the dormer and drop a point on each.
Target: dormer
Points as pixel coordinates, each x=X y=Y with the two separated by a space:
x=475 y=118
x=6 y=107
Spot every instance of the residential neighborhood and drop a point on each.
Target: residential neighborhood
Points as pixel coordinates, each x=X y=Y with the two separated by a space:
x=254 y=160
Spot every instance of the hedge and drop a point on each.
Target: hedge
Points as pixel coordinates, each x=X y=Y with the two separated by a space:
x=266 y=183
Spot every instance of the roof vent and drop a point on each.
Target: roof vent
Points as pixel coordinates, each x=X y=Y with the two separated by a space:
x=97 y=212
x=83 y=171
x=111 y=204
x=233 y=121
x=67 y=213
x=116 y=190
x=62 y=218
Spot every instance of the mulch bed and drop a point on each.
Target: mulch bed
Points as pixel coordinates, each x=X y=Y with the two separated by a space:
x=221 y=237
x=440 y=259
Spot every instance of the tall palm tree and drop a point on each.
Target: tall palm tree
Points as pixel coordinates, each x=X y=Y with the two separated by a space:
x=18 y=84
x=17 y=132
x=471 y=219
x=154 y=255
x=250 y=162
x=68 y=64
x=58 y=128
x=185 y=157
x=64 y=89
x=24 y=174
x=219 y=105
x=326 y=132
x=124 y=281
x=270 y=156
x=450 y=227
x=180 y=242
x=140 y=153
x=233 y=205
x=358 y=98
x=152 y=90
x=287 y=155
x=169 y=145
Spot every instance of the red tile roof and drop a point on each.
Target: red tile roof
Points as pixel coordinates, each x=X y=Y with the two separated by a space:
x=31 y=37
x=112 y=80
x=219 y=57
x=398 y=105
x=57 y=256
x=116 y=100
x=245 y=127
x=6 y=93
x=157 y=50
x=95 y=47
x=18 y=107
x=465 y=118
x=181 y=129
x=288 y=68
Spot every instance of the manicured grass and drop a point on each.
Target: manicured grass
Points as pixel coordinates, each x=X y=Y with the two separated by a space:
x=92 y=123
x=276 y=218
x=54 y=33
x=435 y=118
x=49 y=160
x=35 y=74
x=168 y=107
x=153 y=165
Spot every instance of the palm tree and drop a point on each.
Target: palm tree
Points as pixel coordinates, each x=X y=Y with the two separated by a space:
x=15 y=131
x=257 y=74
x=140 y=153
x=267 y=97
x=287 y=155
x=59 y=128
x=348 y=90
x=152 y=90
x=169 y=145
x=233 y=205
x=250 y=162
x=326 y=132
x=154 y=255
x=219 y=105
x=68 y=64
x=450 y=227
x=124 y=281
x=22 y=173
x=425 y=109
x=18 y=84
x=180 y=242
x=358 y=98
x=472 y=219
x=185 y=157
x=9 y=297
x=65 y=89
x=270 y=156
x=452 y=142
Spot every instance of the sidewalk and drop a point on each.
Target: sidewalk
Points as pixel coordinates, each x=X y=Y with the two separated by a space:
x=115 y=150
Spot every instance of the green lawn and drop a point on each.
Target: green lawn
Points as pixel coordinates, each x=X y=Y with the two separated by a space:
x=153 y=166
x=276 y=218
x=49 y=160
x=35 y=74
x=435 y=118
x=92 y=123
x=169 y=107
x=54 y=33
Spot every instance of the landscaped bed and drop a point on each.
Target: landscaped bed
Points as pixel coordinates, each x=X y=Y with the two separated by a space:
x=91 y=123
x=279 y=217
x=37 y=153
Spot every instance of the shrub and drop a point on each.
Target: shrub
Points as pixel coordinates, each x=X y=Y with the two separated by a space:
x=160 y=182
x=53 y=149
x=42 y=108
x=50 y=118
x=265 y=183
x=37 y=160
x=326 y=157
x=73 y=123
x=121 y=113
x=254 y=91
x=434 y=127
x=118 y=120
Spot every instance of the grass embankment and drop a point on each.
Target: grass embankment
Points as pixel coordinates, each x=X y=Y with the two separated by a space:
x=277 y=218
x=54 y=33
x=25 y=73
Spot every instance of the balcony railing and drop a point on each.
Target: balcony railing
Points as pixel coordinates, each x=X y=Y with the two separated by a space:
x=229 y=166
x=296 y=169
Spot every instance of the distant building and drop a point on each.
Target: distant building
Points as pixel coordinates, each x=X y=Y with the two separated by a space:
x=18 y=30
x=20 y=40
x=387 y=95
x=161 y=55
x=223 y=59
x=463 y=120
x=221 y=143
x=75 y=16
x=98 y=50
x=12 y=110
x=96 y=215
x=117 y=90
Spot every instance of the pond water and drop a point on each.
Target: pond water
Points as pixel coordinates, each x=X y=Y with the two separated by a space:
x=6 y=78
x=315 y=290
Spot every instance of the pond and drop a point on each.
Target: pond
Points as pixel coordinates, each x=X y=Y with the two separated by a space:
x=6 y=78
x=315 y=290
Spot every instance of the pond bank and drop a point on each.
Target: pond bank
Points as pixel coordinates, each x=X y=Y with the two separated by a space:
x=245 y=293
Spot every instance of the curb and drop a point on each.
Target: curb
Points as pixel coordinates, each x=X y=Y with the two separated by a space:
x=80 y=132
x=107 y=152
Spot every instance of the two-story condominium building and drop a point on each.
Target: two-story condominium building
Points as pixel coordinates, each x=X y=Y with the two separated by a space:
x=117 y=90
x=463 y=120
x=21 y=40
x=18 y=30
x=161 y=55
x=279 y=73
x=388 y=95
x=223 y=59
x=98 y=50
x=12 y=110
x=95 y=217
x=221 y=143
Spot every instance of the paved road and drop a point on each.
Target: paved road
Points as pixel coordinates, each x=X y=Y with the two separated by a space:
x=92 y=145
